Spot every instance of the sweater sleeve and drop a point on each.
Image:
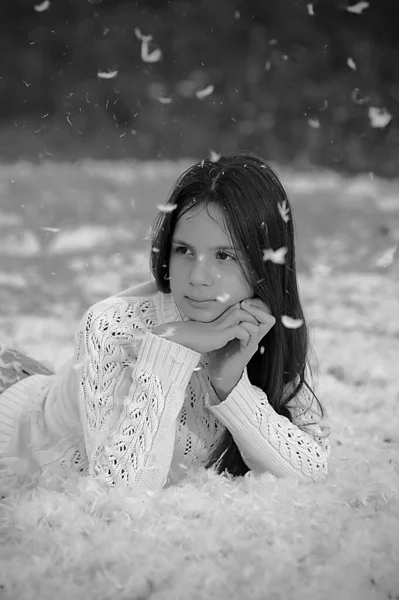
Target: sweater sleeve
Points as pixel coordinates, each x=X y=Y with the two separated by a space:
x=132 y=386
x=269 y=442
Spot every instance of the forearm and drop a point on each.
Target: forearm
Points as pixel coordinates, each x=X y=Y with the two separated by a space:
x=267 y=440
x=139 y=451
x=223 y=389
x=174 y=333
x=130 y=434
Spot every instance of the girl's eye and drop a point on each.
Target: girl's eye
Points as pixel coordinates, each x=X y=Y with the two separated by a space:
x=184 y=251
x=225 y=257
x=180 y=250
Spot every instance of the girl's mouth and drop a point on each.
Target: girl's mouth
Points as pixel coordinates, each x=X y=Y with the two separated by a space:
x=203 y=303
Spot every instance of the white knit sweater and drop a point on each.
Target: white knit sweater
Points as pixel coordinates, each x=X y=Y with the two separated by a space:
x=131 y=407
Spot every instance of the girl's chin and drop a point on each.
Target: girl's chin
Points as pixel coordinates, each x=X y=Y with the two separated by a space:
x=203 y=320
x=202 y=316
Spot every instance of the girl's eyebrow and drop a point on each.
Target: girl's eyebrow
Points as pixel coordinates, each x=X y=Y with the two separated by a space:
x=183 y=243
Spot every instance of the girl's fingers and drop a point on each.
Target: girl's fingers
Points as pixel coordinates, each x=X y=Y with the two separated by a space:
x=261 y=329
x=241 y=334
x=252 y=332
x=259 y=313
x=226 y=316
x=247 y=317
x=236 y=316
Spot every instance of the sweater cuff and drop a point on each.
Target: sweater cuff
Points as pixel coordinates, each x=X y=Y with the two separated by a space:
x=170 y=361
x=239 y=402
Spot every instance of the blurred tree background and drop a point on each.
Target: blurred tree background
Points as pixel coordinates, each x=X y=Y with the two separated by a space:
x=294 y=80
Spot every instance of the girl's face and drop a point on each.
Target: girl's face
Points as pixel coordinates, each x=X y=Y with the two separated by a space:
x=205 y=274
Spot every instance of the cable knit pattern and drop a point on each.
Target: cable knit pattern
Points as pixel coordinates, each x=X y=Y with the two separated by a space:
x=132 y=386
x=136 y=409
x=269 y=441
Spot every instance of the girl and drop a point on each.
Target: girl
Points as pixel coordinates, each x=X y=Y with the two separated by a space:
x=197 y=367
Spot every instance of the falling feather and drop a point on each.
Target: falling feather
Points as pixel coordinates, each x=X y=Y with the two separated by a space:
x=379 y=117
x=315 y=123
x=351 y=63
x=214 y=157
x=275 y=256
x=146 y=55
x=150 y=57
x=358 y=8
x=107 y=74
x=386 y=258
x=166 y=208
x=140 y=36
x=284 y=210
x=43 y=6
x=291 y=323
x=164 y=100
x=205 y=92
x=170 y=331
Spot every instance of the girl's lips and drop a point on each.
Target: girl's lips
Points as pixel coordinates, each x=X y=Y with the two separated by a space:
x=199 y=302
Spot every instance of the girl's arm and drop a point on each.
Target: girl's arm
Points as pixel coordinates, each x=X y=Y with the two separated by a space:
x=132 y=386
x=269 y=442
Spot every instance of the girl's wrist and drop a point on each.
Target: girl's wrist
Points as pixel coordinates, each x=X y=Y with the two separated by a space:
x=171 y=332
x=223 y=388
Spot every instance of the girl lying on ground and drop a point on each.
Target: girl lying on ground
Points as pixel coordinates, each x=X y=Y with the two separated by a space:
x=201 y=366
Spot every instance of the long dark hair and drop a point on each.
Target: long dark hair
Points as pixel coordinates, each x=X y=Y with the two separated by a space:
x=258 y=216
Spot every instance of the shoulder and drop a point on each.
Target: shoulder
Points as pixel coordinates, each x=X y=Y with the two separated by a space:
x=134 y=307
x=142 y=290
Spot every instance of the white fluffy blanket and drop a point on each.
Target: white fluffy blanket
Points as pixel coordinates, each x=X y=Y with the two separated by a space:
x=257 y=537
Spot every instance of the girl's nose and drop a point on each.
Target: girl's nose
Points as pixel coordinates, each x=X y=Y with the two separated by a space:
x=202 y=272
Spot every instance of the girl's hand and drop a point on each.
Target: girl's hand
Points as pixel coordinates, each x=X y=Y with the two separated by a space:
x=208 y=337
x=227 y=364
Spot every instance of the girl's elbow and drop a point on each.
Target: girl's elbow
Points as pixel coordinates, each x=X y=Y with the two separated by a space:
x=320 y=472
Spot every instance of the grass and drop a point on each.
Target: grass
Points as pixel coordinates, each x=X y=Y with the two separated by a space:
x=208 y=537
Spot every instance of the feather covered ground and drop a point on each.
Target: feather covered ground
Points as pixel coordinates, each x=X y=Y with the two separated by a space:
x=72 y=235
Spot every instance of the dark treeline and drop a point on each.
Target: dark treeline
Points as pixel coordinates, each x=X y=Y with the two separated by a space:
x=293 y=80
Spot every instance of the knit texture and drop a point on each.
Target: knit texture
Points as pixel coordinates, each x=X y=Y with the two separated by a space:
x=135 y=409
